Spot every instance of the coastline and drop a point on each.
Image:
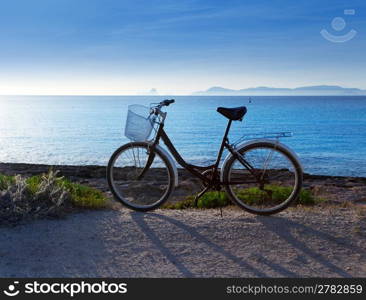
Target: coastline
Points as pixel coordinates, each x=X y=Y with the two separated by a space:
x=332 y=188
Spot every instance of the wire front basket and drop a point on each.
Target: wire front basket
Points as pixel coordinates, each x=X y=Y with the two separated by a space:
x=139 y=123
x=264 y=135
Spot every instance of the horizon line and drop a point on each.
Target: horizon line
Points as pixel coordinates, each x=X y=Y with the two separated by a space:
x=179 y=95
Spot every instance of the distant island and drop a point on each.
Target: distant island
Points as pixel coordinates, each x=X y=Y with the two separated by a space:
x=153 y=92
x=319 y=90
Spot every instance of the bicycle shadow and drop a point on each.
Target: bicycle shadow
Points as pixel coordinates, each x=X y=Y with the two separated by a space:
x=145 y=228
x=283 y=228
x=280 y=226
x=139 y=218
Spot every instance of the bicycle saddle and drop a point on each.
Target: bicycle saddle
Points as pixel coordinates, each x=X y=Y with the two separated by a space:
x=235 y=114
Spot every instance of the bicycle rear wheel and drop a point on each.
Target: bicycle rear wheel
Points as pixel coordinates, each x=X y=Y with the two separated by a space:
x=139 y=177
x=269 y=183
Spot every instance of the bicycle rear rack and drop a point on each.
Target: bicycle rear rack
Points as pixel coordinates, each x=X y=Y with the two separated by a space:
x=264 y=135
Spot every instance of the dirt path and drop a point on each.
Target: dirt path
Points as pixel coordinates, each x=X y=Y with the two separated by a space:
x=189 y=243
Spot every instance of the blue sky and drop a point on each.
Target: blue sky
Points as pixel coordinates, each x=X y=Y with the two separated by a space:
x=177 y=47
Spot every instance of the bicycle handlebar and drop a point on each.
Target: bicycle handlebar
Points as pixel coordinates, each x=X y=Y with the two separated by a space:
x=167 y=102
x=156 y=110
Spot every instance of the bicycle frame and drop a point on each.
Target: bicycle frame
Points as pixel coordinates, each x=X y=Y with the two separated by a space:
x=194 y=169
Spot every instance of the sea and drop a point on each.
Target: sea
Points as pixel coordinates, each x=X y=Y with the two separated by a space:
x=329 y=133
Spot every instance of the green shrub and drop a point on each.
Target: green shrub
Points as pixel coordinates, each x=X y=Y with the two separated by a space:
x=251 y=196
x=21 y=201
x=80 y=195
x=277 y=194
x=5 y=181
x=41 y=196
x=307 y=198
x=182 y=204
x=84 y=196
x=211 y=199
x=33 y=184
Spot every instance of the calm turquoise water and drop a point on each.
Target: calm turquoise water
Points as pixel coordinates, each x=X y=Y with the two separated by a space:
x=329 y=132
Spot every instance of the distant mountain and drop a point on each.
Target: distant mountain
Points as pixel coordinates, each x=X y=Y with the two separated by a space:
x=217 y=89
x=319 y=90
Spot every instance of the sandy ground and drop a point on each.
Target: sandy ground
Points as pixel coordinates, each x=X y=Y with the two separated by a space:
x=189 y=243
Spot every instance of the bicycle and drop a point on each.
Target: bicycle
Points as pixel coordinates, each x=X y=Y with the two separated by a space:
x=262 y=176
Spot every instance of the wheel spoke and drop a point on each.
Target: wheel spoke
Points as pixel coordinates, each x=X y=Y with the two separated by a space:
x=139 y=192
x=276 y=184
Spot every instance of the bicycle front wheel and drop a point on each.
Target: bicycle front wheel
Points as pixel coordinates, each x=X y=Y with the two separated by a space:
x=139 y=177
x=264 y=179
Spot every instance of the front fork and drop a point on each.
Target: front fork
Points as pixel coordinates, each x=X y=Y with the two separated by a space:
x=149 y=162
x=151 y=149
